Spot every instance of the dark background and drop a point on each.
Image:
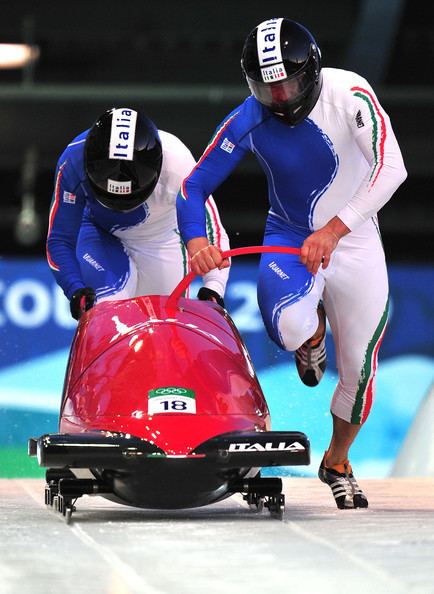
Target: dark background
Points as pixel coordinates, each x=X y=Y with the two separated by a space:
x=179 y=62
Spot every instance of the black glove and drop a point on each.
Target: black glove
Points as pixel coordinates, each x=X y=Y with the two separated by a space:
x=205 y=294
x=81 y=301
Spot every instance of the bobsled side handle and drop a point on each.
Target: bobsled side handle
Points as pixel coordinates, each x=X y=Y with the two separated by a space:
x=254 y=249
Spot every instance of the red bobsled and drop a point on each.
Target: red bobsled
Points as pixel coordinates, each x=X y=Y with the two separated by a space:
x=162 y=409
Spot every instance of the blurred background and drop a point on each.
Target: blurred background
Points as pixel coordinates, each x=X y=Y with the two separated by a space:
x=180 y=63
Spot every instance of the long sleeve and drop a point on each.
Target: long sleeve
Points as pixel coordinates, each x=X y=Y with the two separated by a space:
x=64 y=224
x=182 y=163
x=216 y=279
x=375 y=137
x=220 y=158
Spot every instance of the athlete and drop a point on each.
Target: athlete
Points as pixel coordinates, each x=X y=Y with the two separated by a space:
x=112 y=229
x=332 y=161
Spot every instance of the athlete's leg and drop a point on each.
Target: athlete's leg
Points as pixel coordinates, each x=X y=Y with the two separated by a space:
x=161 y=264
x=105 y=265
x=288 y=294
x=343 y=436
x=356 y=301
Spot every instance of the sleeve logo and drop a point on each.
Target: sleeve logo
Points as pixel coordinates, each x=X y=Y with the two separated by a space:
x=69 y=197
x=227 y=145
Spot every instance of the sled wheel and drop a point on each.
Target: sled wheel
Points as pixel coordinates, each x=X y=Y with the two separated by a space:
x=51 y=490
x=55 y=502
x=68 y=508
x=68 y=513
x=254 y=501
x=276 y=506
x=48 y=496
x=258 y=506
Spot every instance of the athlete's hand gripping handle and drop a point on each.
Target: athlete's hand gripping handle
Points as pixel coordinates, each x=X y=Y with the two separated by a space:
x=206 y=294
x=82 y=300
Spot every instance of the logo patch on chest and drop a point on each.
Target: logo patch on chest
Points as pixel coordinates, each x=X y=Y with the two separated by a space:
x=359 y=120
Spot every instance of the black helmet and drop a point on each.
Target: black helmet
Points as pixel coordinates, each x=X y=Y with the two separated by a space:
x=122 y=158
x=282 y=65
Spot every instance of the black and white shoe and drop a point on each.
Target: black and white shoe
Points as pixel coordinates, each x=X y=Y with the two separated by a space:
x=311 y=357
x=340 y=479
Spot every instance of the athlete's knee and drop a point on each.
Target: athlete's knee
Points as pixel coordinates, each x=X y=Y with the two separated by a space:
x=294 y=330
x=114 y=296
x=353 y=402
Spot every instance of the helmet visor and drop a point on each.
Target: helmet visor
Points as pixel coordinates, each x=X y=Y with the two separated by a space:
x=280 y=95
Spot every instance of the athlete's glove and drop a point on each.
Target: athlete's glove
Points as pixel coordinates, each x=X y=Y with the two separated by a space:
x=81 y=301
x=205 y=294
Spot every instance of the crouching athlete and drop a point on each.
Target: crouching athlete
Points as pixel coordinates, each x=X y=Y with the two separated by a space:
x=332 y=161
x=113 y=231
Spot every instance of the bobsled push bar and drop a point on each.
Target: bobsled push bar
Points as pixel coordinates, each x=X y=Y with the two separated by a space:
x=95 y=449
x=254 y=249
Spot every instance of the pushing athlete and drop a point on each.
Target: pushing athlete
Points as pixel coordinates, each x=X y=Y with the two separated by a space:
x=113 y=232
x=332 y=161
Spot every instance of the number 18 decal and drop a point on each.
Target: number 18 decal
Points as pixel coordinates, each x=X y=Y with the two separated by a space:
x=171 y=399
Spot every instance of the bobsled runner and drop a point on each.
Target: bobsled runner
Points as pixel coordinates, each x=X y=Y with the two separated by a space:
x=162 y=409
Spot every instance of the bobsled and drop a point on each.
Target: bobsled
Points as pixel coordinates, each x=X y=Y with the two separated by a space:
x=162 y=409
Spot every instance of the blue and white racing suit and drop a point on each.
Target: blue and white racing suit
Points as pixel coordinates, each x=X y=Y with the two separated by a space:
x=124 y=254
x=342 y=160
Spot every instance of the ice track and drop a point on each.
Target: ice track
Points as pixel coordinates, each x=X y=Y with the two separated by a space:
x=316 y=549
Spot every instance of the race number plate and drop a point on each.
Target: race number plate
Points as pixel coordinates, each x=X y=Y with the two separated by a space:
x=171 y=399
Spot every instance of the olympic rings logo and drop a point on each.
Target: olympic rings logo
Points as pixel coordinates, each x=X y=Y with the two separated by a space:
x=170 y=391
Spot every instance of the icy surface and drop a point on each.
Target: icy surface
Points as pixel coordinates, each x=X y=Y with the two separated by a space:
x=316 y=549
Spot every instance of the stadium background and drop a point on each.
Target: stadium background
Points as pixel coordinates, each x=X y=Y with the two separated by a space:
x=181 y=66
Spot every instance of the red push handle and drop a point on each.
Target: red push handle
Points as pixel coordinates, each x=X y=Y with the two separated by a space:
x=255 y=249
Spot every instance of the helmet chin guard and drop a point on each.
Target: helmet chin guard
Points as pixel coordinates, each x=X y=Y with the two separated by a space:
x=282 y=65
x=123 y=158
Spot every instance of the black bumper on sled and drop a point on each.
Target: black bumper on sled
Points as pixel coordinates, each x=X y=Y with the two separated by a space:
x=105 y=449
